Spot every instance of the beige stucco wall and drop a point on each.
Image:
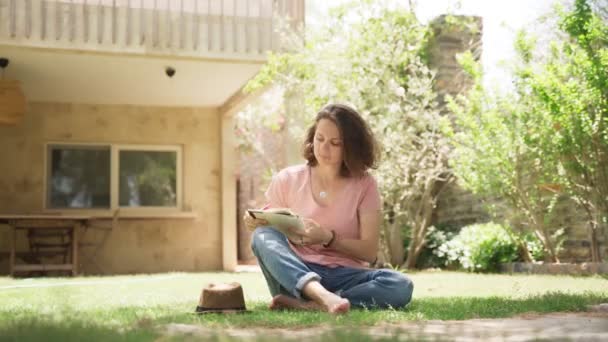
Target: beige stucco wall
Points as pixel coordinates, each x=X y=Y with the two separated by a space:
x=128 y=245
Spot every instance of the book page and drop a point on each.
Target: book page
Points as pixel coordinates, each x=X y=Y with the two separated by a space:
x=279 y=218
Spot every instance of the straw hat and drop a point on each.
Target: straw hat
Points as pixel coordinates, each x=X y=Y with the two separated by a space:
x=222 y=298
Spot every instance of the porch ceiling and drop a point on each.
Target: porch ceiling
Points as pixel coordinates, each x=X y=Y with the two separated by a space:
x=103 y=78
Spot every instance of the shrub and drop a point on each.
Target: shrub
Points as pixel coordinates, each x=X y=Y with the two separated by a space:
x=436 y=237
x=534 y=246
x=480 y=248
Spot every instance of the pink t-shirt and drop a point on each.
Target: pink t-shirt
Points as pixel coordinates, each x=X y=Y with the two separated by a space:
x=291 y=188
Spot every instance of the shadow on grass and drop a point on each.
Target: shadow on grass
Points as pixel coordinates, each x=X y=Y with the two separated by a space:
x=147 y=323
x=46 y=330
x=450 y=308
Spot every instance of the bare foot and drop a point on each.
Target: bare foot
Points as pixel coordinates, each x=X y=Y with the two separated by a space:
x=338 y=306
x=335 y=305
x=281 y=302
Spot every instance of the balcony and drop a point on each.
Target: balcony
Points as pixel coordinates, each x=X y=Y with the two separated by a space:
x=224 y=29
x=116 y=51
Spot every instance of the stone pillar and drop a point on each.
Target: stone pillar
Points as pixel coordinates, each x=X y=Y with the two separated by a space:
x=229 y=193
x=453 y=35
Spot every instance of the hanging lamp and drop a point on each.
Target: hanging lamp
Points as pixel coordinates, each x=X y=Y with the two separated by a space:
x=12 y=99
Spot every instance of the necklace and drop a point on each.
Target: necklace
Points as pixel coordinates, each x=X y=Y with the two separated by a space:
x=322 y=194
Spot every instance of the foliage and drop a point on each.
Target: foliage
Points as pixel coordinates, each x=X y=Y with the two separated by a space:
x=80 y=177
x=262 y=118
x=368 y=56
x=436 y=237
x=148 y=178
x=501 y=143
x=550 y=136
x=571 y=85
x=480 y=247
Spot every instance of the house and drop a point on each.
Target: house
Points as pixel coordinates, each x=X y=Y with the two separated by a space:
x=129 y=121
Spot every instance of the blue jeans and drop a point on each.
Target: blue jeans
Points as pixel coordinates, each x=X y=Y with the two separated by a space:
x=287 y=274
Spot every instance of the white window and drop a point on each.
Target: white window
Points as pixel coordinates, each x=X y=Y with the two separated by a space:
x=91 y=176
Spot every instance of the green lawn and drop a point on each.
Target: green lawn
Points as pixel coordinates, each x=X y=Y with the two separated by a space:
x=134 y=307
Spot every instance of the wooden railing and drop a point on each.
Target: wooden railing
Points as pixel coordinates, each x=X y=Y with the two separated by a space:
x=197 y=28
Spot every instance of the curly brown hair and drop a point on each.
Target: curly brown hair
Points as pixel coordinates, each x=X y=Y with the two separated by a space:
x=360 y=148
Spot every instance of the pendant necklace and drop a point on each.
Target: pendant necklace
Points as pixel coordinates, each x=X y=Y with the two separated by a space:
x=322 y=194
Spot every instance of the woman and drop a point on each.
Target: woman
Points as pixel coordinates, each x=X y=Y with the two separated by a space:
x=324 y=267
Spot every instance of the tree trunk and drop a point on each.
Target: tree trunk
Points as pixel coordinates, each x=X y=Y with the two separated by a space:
x=523 y=251
x=380 y=261
x=522 y=247
x=553 y=253
x=547 y=246
x=594 y=222
x=595 y=248
x=395 y=244
x=419 y=230
x=422 y=219
x=544 y=237
x=412 y=256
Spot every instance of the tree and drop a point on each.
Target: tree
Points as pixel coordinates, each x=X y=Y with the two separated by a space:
x=500 y=143
x=370 y=56
x=572 y=86
x=551 y=134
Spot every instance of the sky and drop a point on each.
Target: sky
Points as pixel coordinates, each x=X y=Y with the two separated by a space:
x=501 y=20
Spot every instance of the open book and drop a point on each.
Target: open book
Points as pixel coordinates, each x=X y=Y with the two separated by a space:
x=279 y=218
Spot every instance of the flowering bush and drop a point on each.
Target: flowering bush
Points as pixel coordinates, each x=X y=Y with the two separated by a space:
x=480 y=247
x=436 y=237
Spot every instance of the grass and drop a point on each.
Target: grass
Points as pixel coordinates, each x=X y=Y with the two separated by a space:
x=133 y=308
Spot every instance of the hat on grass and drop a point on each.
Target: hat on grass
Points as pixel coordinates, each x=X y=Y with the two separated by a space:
x=222 y=298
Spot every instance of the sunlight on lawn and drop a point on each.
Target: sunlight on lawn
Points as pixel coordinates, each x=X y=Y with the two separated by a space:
x=442 y=284
x=135 y=307
x=121 y=291
x=92 y=293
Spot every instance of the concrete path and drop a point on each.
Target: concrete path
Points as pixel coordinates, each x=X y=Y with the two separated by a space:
x=588 y=326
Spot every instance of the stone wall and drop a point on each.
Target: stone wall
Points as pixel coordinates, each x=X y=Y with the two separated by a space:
x=582 y=268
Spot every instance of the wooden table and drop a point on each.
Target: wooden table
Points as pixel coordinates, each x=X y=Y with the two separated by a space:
x=41 y=222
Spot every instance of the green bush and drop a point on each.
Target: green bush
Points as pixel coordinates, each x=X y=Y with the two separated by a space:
x=479 y=248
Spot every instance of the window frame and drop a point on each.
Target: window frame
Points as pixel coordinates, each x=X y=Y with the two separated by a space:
x=115 y=150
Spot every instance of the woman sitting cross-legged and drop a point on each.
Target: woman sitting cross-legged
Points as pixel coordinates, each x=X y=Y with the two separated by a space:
x=325 y=265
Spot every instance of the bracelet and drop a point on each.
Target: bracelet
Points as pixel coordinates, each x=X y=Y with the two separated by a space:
x=333 y=237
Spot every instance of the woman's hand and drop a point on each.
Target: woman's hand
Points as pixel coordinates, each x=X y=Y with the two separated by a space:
x=312 y=234
x=252 y=223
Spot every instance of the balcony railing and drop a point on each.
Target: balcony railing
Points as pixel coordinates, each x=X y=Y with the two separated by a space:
x=195 y=28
